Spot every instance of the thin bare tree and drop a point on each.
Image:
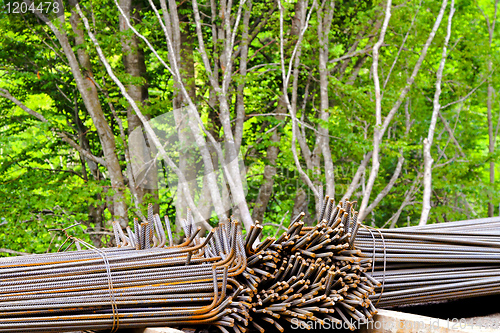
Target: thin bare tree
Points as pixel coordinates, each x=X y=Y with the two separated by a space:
x=492 y=133
x=426 y=200
x=381 y=126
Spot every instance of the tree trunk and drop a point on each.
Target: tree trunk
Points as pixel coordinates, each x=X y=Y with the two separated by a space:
x=300 y=205
x=85 y=84
x=377 y=131
x=426 y=200
x=380 y=126
x=325 y=16
x=185 y=59
x=491 y=22
x=133 y=61
x=491 y=138
x=266 y=189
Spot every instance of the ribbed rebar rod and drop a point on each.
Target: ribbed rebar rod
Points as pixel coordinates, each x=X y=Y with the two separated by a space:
x=433 y=263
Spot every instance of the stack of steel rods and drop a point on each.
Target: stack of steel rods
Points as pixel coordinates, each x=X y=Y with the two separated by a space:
x=309 y=274
x=187 y=284
x=433 y=263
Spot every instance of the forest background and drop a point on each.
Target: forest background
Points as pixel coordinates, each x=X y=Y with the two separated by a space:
x=394 y=104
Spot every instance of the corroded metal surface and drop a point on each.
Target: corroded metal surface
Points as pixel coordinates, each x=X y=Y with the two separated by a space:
x=307 y=274
x=320 y=274
x=433 y=263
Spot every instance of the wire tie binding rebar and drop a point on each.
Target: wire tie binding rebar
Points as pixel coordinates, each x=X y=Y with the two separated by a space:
x=114 y=307
x=385 y=257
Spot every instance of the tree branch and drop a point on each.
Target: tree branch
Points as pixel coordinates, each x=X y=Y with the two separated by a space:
x=387 y=188
x=357 y=176
x=378 y=115
x=348 y=55
x=14 y=252
x=460 y=100
x=401 y=47
x=450 y=133
x=291 y=110
x=64 y=136
x=380 y=131
x=408 y=200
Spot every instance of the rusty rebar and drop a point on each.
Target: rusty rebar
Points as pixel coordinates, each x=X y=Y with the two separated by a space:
x=223 y=280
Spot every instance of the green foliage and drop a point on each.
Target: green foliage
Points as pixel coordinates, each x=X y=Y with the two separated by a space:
x=45 y=183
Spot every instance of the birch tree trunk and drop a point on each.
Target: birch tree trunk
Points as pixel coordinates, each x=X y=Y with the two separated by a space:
x=491 y=136
x=183 y=52
x=426 y=200
x=325 y=15
x=82 y=72
x=266 y=189
x=489 y=103
x=377 y=131
x=381 y=127
x=311 y=159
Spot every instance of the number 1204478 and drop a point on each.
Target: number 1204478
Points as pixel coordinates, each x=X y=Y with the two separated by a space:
x=474 y=324
x=26 y=7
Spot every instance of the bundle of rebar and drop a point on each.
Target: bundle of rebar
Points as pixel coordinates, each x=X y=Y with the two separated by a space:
x=433 y=263
x=187 y=284
x=308 y=274
x=335 y=272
